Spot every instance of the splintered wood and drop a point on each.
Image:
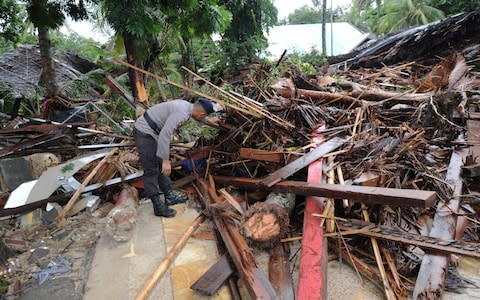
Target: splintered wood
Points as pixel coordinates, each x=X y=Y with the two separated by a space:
x=390 y=119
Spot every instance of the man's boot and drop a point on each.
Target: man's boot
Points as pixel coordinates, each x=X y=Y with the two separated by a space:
x=160 y=209
x=172 y=198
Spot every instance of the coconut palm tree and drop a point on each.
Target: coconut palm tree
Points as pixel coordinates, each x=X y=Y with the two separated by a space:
x=400 y=14
x=46 y=15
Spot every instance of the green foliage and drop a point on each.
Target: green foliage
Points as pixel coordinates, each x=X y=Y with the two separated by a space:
x=67 y=168
x=82 y=46
x=390 y=15
x=306 y=62
x=81 y=87
x=365 y=15
x=310 y=15
x=243 y=39
x=451 y=7
x=51 y=14
x=305 y=15
x=191 y=130
x=11 y=21
x=401 y=14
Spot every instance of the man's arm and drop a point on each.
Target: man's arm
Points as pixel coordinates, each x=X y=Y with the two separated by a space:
x=165 y=135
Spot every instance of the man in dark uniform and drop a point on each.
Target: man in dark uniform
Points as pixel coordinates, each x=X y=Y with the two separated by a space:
x=153 y=132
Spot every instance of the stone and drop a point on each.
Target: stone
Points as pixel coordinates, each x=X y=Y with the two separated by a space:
x=15 y=171
x=56 y=289
x=37 y=254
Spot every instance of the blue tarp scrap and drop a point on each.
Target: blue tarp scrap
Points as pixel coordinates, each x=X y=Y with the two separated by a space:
x=58 y=265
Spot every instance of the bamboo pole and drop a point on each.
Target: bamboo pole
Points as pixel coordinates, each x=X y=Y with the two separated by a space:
x=87 y=180
x=168 y=260
x=242 y=100
x=214 y=99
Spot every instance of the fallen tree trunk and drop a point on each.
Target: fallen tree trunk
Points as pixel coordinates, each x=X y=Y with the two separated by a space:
x=255 y=280
x=279 y=273
x=368 y=195
x=266 y=223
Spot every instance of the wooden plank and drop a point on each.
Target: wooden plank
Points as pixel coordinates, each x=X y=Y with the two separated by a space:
x=368 y=195
x=312 y=276
x=303 y=161
x=430 y=282
x=473 y=132
x=427 y=243
x=211 y=281
x=256 y=154
x=255 y=280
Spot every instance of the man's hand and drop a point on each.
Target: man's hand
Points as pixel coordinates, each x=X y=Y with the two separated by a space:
x=214 y=122
x=166 y=167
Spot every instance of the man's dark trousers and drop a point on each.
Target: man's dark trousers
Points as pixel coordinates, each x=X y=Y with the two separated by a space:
x=153 y=179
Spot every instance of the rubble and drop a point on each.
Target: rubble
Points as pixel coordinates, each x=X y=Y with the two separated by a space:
x=377 y=156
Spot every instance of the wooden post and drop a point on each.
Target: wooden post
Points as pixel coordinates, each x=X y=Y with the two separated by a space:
x=168 y=260
x=312 y=280
x=279 y=273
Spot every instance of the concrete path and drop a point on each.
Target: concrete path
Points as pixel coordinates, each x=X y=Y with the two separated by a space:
x=119 y=270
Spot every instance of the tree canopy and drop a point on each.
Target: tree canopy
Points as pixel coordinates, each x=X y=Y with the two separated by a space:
x=390 y=15
x=11 y=22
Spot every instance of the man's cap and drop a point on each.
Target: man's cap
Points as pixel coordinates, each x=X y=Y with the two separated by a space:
x=207 y=105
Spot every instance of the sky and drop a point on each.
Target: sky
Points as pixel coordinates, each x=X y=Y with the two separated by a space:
x=284 y=7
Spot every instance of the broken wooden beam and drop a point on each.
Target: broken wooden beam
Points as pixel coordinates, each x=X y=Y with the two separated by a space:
x=279 y=273
x=255 y=280
x=303 y=161
x=368 y=195
x=211 y=281
x=263 y=155
x=426 y=243
x=433 y=270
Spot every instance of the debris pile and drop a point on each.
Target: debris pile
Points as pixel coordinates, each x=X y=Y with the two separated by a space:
x=407 y=127
x=378 y=153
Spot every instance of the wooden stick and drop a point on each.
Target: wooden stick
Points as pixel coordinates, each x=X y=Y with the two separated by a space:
x=330 y=209
x=87 y=180
x=232 y=201
x=168 y=260
x=241 y=99
x=201 y=94
x=376 y=249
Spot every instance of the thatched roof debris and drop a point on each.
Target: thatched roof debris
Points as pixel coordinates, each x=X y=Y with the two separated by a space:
x=20 y=69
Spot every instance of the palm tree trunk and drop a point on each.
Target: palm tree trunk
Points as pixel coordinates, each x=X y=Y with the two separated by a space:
x=48 y=71
x=324 y=31
x=136 y=78
x=188 y=59
x=379 y=5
